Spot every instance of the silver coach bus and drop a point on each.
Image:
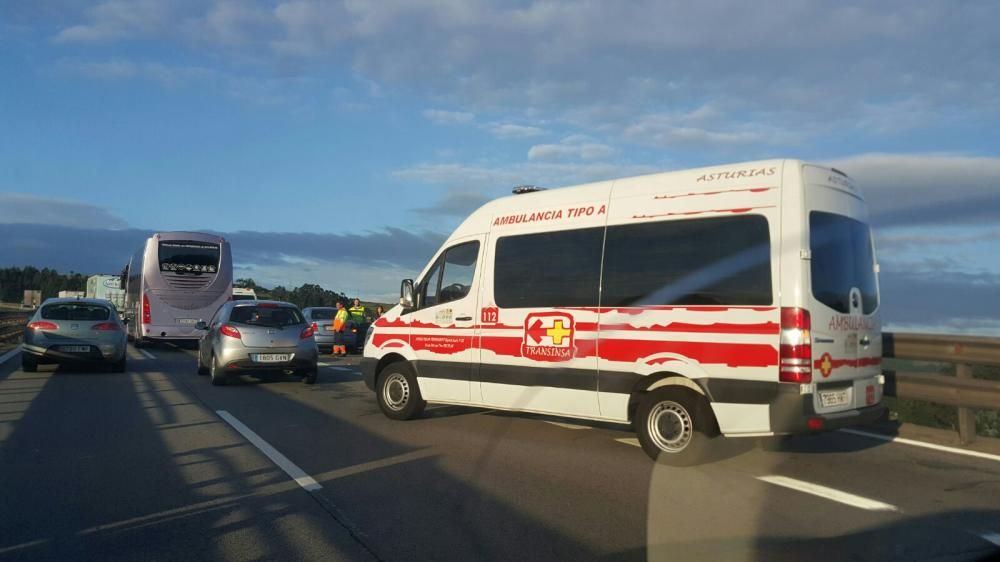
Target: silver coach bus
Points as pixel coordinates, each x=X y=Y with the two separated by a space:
x=174 y=280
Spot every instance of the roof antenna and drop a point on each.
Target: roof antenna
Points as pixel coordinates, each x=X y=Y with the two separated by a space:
x=522 y=189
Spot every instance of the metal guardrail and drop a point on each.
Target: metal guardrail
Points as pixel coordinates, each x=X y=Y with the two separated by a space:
x=12 y=323
x=961 y=391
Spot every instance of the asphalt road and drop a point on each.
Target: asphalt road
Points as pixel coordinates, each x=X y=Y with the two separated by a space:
x=151 y=465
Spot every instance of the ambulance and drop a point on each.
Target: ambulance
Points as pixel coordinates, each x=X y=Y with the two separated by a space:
x=737 y=301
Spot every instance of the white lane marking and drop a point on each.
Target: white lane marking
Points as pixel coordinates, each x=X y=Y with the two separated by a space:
x=992 y=537
x=377 y=464
x=565 y=425
x=293 y=471
x=9 y=354
x=915 y=443
x=23 y=545
x=147 y=354
x=828 y=493
x=629 y=441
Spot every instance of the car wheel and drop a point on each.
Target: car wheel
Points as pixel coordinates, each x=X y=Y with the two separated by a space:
x=398 y=394
x=216 y=374
x=29 y=364
x=119 y=366
x=310 y=376
x=201 y=368
x=675 y=426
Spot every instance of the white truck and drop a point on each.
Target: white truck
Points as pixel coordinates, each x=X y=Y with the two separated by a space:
x=107 y=287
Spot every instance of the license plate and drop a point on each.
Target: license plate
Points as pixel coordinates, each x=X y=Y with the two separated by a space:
x=271 y=357
x=75 y=348
x=187 y=321
x=327 y=328
x=831 y=398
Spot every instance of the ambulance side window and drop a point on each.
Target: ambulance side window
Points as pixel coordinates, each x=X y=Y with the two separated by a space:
x=712 y=261
x=451 y=277
x=548 y=269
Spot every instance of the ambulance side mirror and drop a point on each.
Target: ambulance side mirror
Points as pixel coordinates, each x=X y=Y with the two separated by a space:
x=406 y=293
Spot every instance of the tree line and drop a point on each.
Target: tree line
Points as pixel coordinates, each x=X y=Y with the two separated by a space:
x=308 y=294
x=15 y=280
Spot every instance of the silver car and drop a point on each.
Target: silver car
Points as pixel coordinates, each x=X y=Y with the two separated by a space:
x=74 y=330
x=322 y=319
x=255 y=336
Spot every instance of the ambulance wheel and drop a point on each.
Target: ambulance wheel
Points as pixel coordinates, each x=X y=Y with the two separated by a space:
x=675 y=426
x=398 y=394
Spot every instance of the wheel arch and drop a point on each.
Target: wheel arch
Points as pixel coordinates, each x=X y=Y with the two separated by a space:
x=667 y=379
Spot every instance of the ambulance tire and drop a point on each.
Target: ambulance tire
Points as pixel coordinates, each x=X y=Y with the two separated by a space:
x=675 y=426
x=398 y=393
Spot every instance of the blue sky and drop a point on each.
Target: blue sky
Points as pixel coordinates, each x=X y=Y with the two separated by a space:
x=357 y=128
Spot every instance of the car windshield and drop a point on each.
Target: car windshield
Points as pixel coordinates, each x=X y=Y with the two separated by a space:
x=75 y=311
x=322 y=313
x=274 y=317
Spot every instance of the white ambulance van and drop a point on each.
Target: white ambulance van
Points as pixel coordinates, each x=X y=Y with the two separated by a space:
x=738 y=300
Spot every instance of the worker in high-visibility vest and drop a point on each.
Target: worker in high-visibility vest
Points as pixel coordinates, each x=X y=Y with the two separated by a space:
x=340 y=320
x=358 y=312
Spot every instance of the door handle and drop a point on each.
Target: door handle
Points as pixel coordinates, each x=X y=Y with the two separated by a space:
x=463 y=319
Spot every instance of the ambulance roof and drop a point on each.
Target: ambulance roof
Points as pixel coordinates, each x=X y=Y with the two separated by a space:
x=710 y=178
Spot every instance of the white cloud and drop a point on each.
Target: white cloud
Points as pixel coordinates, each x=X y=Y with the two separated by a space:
x=613 y=67
x=513 y=131
x=116 y=69
x=498 y=180
x=571 y=148
x=23 y=208
x=444 y=117
x=118 y=19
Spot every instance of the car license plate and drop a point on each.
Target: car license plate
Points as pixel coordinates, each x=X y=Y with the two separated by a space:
x=327 y=328
x=271 y=357
x=831 y=398
x=187 y=321
x=75 y=348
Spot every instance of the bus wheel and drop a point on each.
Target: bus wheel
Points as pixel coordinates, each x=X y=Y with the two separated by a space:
x=398 y=394
x=675 y=426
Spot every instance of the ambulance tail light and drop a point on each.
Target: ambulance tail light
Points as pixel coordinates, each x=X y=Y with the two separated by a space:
x=795 y=357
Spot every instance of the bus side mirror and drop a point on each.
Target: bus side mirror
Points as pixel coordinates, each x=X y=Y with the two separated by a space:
x=406 y=293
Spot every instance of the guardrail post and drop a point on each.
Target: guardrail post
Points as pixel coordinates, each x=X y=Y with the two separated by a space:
x=966 y=416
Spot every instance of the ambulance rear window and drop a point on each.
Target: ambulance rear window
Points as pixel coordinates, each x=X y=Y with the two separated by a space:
x=842 y=259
